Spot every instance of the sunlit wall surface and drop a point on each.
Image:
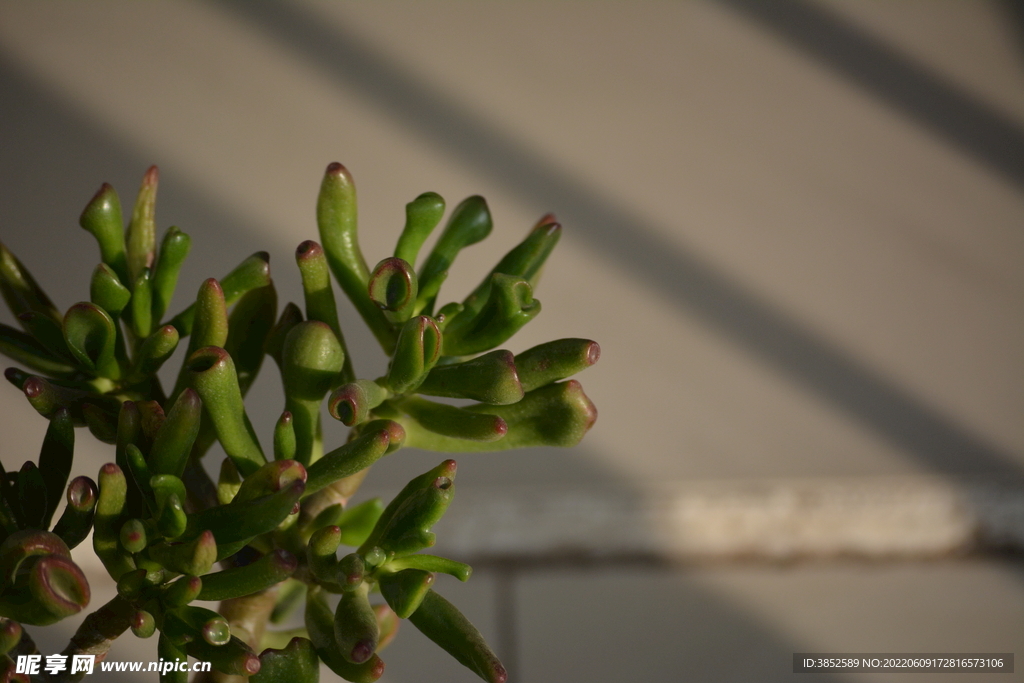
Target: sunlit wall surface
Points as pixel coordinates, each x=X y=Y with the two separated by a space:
x=796 y=229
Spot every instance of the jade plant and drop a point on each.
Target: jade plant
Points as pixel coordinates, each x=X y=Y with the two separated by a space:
x=269 y=534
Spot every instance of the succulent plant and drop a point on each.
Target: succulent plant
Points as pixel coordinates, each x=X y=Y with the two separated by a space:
x=280 y=527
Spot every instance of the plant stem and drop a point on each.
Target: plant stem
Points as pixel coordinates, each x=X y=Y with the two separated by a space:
x=97 y=633
x=248 y=618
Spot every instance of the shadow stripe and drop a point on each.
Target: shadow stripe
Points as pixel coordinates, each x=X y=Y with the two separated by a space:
x=629 y=242
x=911 y=88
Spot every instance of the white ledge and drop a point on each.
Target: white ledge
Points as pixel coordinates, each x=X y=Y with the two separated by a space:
x=770 y=520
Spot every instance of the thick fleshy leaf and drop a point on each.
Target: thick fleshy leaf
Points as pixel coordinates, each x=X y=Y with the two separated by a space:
x=320 y=625
x=524 y=261
x=23 y=348
x=269 y=570
x=319 y=296
x=234 y=657
x=509 y=306
x=107 y=291
x=312 y=358
x=76 y=521
x=250 y=274
x=468 y=224
x=422 y=215
x=269 y=479
x=192 y=622
x=444 y=624
x=174 y=440
x=417 y=351
x=249 y=325
x=296 y=663
x=404 y=590
x=20 y=290
x=454 y=422
x=107 y=522
x=352 y=403
x=173 y=251
x=212 y=374
x=102 y=217
x=155 y=351
x=555 y=360
x=23 y=545
x=321 y=555
x=55 y=459
x=195 y=557
x=490 y=378
x=237 y=522
x=336 y=217
x=142 y=305
x=284 y=437
x=432 y=563
x=354 y=456
x=355 y=625
x=140 y=238
x=404 y=527
x=393 y=287
x=32 y=496
x=91 y=337
x=47 y=332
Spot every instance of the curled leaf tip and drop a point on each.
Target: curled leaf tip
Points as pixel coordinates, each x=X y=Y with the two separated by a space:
x=309 y=249
x=82 y=493
x=33 y=386
x=336 y=168
x=362 y=651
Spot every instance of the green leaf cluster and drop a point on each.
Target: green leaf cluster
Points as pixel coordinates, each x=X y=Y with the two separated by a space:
x=278 y=522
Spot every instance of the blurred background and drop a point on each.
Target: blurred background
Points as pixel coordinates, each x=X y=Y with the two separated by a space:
x=796 y=229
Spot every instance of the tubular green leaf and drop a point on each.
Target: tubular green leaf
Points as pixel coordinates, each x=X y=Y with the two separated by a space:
x=421 y=217
x=107 y=291
x=249 y=325
x=102 y=217
x=353 y=457
x=336 y=218
x=250 y=274
x=452 y=421
x=440 y=621
x=269 y=570
x=296 y=663
x=490 y=378
x=212 y=374
x=469 y=223
x=108 y=520
x=173 y=251
x=510 y=305
x=320 y=625
x=22 y=348
x=237 y=522
x=174 y=440
x=142 y=305
x=404 y=590
x=76 y=521
x=91 y=337
x=312 y=358
x=555 y=360
x=355 y=625
x=524 y=261
x=55 y=459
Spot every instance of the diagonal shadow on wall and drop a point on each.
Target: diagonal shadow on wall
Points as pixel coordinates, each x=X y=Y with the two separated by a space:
x=911 y=88
x=696 y=286
x=54 y=159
